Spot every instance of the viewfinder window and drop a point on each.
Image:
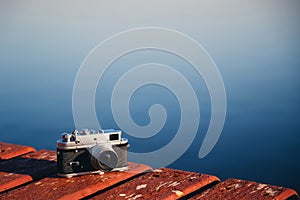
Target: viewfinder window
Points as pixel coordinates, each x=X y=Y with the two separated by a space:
x=114 y=137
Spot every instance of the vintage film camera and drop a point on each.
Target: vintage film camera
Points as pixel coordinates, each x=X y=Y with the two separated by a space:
x=88 y=151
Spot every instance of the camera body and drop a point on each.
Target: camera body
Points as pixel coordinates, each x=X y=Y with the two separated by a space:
x=87 y=151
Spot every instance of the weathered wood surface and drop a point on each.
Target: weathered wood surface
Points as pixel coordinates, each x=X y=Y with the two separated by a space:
x=29 y=174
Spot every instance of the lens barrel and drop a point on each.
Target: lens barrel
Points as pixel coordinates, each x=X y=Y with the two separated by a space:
x=103 y=157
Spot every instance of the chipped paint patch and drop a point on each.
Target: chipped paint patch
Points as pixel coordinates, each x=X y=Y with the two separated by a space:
x=271 y=192
x=135 y=197
x=141 y=186
x=178 y=193
x=261 y=186
x=238 y=185
x=173 y=184
x=162 y=184
x=252 y=191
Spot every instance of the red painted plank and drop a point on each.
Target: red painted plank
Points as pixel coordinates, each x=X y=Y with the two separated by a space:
x=11 y=180
x=247 y=190
x=32 y=166
x=8 y=151
x=163 y=183
x=73 y=188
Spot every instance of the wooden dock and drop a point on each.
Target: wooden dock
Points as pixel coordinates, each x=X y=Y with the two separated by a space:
x=26 y=173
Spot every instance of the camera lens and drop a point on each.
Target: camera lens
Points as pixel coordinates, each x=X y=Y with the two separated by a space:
x=103 y=157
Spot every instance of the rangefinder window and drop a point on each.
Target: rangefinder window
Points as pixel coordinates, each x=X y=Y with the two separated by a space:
x=113 y=137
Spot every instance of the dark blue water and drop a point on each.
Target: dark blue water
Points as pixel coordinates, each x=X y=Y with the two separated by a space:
x=255 y=48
